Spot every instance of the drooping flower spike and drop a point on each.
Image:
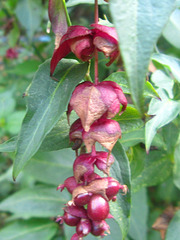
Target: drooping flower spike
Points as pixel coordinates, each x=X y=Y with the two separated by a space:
x=82 y=42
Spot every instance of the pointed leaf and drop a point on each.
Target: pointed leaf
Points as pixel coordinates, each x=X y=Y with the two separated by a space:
x=139 y=25
x=172 y=63
x=32 y=229
x=120 y=170
x=164 y=111
x=173 y=231
x=41 y=201
x=47 y=101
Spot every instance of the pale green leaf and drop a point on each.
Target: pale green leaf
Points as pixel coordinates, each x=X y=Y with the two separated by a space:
x=176 y=170
x=139 y=25
x=173 y=231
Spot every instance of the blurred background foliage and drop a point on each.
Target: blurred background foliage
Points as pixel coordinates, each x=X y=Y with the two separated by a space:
x=29 y=206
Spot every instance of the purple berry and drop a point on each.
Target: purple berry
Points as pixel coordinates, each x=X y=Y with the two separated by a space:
x=83 y=227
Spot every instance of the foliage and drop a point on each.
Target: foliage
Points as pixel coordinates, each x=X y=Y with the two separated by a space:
x=34 y=130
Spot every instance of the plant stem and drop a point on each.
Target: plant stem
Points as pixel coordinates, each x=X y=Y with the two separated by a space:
x=96 y=17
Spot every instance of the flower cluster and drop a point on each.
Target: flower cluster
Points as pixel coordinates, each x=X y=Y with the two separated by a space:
x=95 y=104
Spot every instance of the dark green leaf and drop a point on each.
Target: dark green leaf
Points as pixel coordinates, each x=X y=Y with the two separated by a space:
x=173 y=231
x=137 y=162
x=30 y=230
x=132 y=138
x=120 y=170
x=40 y=201
x=29 y=14
x=47 y=101
x=51 y=167
x=139 y=25
x=157 y=168
x=172 y=63
x=139 y=215
x=164 y=111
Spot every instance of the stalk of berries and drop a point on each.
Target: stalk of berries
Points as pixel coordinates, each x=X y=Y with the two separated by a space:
x=95 y=104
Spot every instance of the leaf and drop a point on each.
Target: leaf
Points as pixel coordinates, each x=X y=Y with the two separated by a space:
x=7 y=103
x=176 y=169
x=129 y=120
x=161 y=80
x=132 y=138
x=121 y=79
x=139 y=25
x=172 y=63
x=173 y=231
x=47 y=101
x=157 y=168
x=14 y=121
x=9 y=145
x=41 y=201
x=120 y=170
x=139 y=215
x=72 y=3
x=50 y=167
x=32 y=229
x=164 y=111
x=172 y=30
x=28 y=13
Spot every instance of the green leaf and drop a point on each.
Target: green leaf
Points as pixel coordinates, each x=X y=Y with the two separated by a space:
x=164 y=111
x=121 y=79
x=139 y=215
x=172 y=63
x=7 y=103
x=137 y=162
x=14 y=121
x=161 y=80
x=41 y=201
x=129 y=120
x=50 y=167
x=29 y=14
x=139 y=25
x=173 y=231
x=9 y=145
x=157 y=168
x=32 y=229
x=120 y=170
x=132 y=138
x=14 y=35
x=47 y=101
x=172 y=29
x=176 y=169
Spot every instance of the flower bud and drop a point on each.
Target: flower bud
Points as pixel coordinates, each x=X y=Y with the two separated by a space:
x=83 y=228
x=70 y=183
x=99 y=227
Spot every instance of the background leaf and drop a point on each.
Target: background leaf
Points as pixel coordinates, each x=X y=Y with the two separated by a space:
x=176 y=170
x=173 y=231
x=47 y=101
x=31 y=229
x=120 y=170
x=139 y=24
x=41 y=201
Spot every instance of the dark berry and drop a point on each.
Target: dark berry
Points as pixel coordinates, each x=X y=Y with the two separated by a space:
x=83 y=228
x=113 y=188
x=98 y=228
x=82 y=199
x=70 y=219
x=97 y=208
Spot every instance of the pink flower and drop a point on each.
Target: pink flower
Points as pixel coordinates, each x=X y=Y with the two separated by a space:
x=11 y=53
x=91 y=101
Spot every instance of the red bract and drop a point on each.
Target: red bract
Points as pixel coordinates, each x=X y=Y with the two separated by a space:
x=83 y=228
x=83 y=167
x=101 y=161
x=77 y=39
x=105 y=40
x=70 y=183
x=104 y=131
x=92 y=101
